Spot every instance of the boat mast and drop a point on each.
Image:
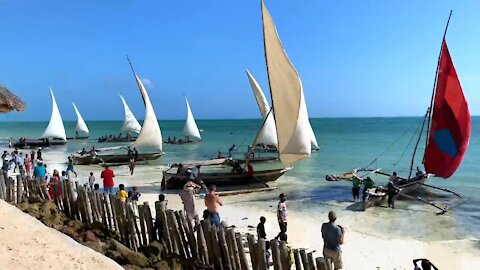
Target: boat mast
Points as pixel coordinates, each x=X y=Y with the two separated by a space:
x=416 y=144
x=430 y=108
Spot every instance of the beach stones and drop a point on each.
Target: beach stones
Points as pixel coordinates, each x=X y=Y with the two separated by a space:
x=127 y=256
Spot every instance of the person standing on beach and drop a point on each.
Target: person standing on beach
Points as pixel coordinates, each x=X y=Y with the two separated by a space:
x=70 y=166
x=187 y=194
x=39 y=171
x=392 y=191
x=368 y=184
x=39 y=153
x=28 y=164
x=282 y=214
x=107 y=175
x=356 y=188
x=261 y=228
x=55 y=182
x=231 y=150
x=122 y=194
x=333 y=236
x=91 y=180
x=213 y=203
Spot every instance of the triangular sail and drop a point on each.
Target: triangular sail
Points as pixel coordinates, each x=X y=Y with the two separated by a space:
x=450 y=126
x=190 y=129
x=55 y=128
x=150 y=135
x=81 y=125
x=130 y=123
x=293 y=131
x=268 y=133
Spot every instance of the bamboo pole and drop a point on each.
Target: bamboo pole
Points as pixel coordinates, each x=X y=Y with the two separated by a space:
x=253 y=251
x=166 y=232
x=241 y=251
x=3 y=186
x=303 y=255
x=224 y=248
x=202 y=244
x=182 y=234
x=19 y=189
x=66 y=200
x=321 y=263
x=277 y=265
x=175 y=233
x=216 y=248
x=262 y=263
x=102 y=208
x=149 y=221
x=233 y=249
x=189 y=231
x=141 y=215
x=284 y=256
x=310 y=260
x=108 y=207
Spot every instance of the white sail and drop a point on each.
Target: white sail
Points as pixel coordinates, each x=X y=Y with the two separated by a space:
x=150 y=134
x=313 y=139
x=130 y=123
x=268 y=133
x=291 y=118
x=81 y=125
x=190 y=129
x=55 y=128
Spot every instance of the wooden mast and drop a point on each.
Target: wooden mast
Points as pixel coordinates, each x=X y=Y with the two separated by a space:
x=430 y=108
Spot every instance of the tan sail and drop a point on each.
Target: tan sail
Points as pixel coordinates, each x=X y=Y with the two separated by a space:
x=293 y=127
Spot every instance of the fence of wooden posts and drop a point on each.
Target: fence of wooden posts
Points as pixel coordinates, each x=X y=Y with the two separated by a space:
x=223 y=248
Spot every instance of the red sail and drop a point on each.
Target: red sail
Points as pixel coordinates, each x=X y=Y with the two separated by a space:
x=450 y=129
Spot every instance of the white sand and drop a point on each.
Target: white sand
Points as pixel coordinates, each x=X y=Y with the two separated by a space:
x=25 y=243
x=362 y=250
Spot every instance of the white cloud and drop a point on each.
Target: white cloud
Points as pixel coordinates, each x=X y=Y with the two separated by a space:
x=147 y=83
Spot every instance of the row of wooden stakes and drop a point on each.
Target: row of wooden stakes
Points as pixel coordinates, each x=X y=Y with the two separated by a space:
x=192 y=240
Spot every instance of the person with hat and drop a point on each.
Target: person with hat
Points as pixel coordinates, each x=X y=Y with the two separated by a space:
x=355 y=188
x=333 y=236
x=282 y=214
x=39 y=171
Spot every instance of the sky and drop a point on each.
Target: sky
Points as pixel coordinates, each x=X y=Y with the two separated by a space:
x=355 y=58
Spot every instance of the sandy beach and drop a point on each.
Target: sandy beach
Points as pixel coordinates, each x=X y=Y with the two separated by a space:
x=28 y=244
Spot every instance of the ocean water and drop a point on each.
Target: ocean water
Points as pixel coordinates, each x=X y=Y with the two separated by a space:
x=346 y=143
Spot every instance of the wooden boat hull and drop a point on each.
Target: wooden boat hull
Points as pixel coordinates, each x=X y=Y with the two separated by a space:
x=78 y=138
x=38 y=143
x=181 y=142
x=116 y=140
x=381 y=198
x=116 y=159
x=175 y=181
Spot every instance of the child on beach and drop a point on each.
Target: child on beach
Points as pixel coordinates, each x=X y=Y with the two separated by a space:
x=70 y=166
x=55 y=182
x=64 y=176
x=133 y=196
x=96 y=188
x=268 y=255
x=160 y=208
x=261 y=228
x=91 y=180
x=122 y=194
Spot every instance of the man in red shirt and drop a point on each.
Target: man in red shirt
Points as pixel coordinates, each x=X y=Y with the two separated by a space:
x=108 y=183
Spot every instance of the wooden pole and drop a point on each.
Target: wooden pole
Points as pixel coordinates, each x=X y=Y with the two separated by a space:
x=311 y=262
x=66 y=199
x=19 y=189
x=253 y=251
x=3 y=186
x=192 y=243
x=166 y=232
x=262 y=264
x=202 y=244
x=149 y=220
x=101 y=203
x=277 y=265
x=233 y=249
x=141 y=215
x=321 y=263
x=241 y=251
x=218 y=263
x=224 y=248
x=182 y=234
x=108 y=207
x=303 y=255
x=285 y=258
x=177 y=244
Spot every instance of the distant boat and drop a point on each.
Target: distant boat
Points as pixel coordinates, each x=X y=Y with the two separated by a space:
x=130 y=125
x=150 y=136
x=448 y=135
x=80 y=127
x=191 y=132
x=291 y=121
x=54 y=134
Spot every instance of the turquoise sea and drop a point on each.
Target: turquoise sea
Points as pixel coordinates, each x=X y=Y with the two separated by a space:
x=346 y=143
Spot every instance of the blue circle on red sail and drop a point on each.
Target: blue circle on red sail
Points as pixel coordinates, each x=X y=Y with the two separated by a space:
x=445 y=142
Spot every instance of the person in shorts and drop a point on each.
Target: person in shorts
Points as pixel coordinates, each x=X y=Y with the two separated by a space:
x=332 y=235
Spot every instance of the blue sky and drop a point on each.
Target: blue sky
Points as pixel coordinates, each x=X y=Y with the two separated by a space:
x=355 y=58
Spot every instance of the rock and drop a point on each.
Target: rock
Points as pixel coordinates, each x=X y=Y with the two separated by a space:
x=90 y=236
x=116 y=256
x=130 y=256
x=153 y=251
x=34 y=199
x=50 y=215
x=161 y=265
x=76 y=225
x=99 y=246
x=131 y=267
x=96 y=226
x=72 y=233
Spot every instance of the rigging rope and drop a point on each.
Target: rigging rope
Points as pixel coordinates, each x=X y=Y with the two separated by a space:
x=408 y=145
x=388 y=147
